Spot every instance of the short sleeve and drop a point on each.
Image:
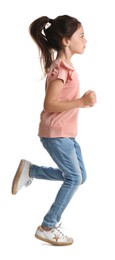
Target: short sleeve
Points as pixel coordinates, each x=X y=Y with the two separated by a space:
x=60 y=70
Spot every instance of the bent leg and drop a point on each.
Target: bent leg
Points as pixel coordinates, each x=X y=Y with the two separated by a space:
x=62 y=151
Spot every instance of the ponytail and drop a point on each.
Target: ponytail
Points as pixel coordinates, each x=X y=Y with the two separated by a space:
x=37 y=32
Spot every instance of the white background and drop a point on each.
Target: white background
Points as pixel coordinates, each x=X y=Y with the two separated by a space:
x=90 y=217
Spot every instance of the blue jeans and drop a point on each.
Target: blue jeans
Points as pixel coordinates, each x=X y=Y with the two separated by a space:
x=67 y=155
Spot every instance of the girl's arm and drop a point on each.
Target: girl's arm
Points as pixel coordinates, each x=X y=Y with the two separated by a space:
x=52 y=104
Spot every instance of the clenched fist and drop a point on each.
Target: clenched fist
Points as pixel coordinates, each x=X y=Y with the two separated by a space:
x=88 y=99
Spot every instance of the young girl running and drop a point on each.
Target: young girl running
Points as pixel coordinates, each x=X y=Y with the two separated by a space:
x=58 y=40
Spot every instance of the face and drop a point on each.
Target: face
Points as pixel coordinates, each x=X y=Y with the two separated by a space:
x=77 y=42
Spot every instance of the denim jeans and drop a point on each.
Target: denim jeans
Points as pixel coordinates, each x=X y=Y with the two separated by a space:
x=66 y=153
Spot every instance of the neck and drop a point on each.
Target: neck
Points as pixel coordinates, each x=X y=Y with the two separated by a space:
x=64 y=56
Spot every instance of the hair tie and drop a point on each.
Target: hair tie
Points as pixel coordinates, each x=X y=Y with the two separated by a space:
x=47 y=25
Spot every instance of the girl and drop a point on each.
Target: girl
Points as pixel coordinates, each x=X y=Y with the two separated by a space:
x=63 y=37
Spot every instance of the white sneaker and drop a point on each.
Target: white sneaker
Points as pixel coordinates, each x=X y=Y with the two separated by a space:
x=21 y=177
x=54 y=237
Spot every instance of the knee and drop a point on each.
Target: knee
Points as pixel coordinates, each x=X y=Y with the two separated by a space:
x=79 y=180
x=76 y=180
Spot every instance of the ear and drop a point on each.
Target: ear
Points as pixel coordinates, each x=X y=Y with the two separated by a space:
x=65 y=41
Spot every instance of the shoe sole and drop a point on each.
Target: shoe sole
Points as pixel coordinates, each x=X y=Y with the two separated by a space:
x=17 y=177
x=53 y=242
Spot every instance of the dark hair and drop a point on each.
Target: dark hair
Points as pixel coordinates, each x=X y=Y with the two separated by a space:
x=48 y=34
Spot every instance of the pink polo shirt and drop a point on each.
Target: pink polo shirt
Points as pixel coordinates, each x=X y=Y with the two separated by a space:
x=62 y=124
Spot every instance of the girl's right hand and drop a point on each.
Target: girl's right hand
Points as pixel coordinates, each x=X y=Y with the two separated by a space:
x=88 y=99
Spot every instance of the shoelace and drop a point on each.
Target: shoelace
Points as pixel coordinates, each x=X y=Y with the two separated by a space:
x=57 y=232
